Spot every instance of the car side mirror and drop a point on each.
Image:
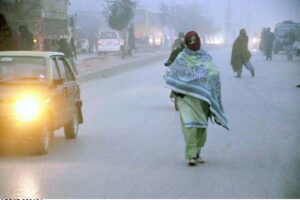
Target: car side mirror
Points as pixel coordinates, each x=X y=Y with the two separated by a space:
x=57 y=82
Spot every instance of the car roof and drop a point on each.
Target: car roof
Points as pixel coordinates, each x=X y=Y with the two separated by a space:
x=45 y=54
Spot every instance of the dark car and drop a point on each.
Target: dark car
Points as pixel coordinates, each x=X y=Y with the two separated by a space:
x=39 y=94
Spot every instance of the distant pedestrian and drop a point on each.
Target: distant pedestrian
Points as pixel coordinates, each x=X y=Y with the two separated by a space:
x=241 y=55
x=291 y=37
x=177 y=47
x=131 y=39
x=195 y=80
x=26 y=39
x=73 y=47
x=262 y=44
x=65 y=48
x=269 y=44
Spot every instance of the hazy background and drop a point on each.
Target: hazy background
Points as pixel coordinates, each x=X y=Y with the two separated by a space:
x=253 y=14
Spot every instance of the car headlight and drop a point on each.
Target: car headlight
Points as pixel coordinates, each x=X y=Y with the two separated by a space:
x=28 y=109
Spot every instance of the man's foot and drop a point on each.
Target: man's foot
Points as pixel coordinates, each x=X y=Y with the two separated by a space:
x=238 y=76
x=298 y=86
x=252 y=73
x=192 y=162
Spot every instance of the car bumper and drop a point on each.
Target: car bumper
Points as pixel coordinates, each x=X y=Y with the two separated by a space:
x=11 y=127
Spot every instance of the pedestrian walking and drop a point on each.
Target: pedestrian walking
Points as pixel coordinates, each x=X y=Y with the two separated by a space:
x=26 y=39
x=241 y=55
x=177 y=47
x=195 y=80
x=291 y=37
x=269 y=44
x=262 y=44
x=73 y=47
x=131 y=39
x=65 y=48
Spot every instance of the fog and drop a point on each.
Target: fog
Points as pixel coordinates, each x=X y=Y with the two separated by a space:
x=252 y=15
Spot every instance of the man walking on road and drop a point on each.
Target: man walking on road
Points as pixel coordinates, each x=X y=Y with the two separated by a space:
x=26 y=39
x=269 y=44
x=65 y=48
x=291 y=37
x=195 y=80
x=241 y=55
x=177 y=47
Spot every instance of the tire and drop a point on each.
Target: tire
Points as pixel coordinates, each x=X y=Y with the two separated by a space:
x=43 y=140
x=71 y=128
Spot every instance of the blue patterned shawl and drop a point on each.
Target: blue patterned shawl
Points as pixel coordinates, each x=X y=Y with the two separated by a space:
x=194 y=73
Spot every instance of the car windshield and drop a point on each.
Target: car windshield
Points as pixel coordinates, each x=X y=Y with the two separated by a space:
x=22 y=68
x=108 y=35
x=282 y=31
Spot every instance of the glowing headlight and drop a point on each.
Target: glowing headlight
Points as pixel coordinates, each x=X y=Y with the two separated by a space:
x=27 y=109
x=255 y=40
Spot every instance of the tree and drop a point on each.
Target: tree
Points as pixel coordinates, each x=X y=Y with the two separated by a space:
x=119 y=13
x=186 y=17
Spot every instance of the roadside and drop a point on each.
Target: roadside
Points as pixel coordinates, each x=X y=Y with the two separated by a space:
x=92 y=65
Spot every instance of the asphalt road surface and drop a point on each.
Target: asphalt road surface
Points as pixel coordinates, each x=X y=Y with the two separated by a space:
x=131 y=144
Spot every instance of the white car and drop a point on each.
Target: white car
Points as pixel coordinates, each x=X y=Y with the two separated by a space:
x=109 y=41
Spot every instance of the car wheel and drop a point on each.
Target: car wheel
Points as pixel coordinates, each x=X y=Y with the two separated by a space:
x=43 y=140
x=71 y=128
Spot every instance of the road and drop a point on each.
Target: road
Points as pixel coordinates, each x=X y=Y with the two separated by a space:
x=131 y=145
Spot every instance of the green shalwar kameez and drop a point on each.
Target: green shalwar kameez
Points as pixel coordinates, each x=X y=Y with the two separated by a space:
x=195 y=80
x=194 y=119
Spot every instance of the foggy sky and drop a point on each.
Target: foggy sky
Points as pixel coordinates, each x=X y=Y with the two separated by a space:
x=250 y=14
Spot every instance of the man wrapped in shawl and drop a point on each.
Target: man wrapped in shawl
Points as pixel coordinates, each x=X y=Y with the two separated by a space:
x=195 y=80
x=241 y=55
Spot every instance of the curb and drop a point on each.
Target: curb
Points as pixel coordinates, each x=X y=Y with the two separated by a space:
x=120 y=68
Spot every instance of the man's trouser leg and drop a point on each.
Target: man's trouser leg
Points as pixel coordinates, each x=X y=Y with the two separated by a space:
x=239 y=73
x=195 y=139
x=250 y=67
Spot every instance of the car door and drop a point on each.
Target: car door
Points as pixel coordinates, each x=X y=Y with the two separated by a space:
x=59 y=99
x=70 y=85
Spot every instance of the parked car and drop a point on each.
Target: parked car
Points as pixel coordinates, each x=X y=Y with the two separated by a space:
x=109 y=41
x=39 y=94
x=280 y=33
